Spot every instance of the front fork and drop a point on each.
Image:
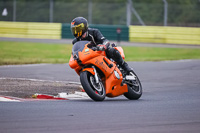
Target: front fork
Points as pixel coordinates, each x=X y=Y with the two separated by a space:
x=93 y=71
x=95 y=75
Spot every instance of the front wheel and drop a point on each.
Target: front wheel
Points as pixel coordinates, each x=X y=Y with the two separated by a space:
x=134 y=88
x=95 y=91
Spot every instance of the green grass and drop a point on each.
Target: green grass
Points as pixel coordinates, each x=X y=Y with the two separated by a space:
x=160 y=54
x=30 y=53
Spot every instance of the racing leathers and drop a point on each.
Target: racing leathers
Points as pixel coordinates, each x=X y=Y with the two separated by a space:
x=97 y=39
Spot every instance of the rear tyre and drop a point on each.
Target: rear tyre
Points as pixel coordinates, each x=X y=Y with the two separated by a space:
x=95 y=91
x=134 y=88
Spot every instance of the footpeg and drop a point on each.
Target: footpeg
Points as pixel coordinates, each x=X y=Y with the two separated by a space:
x=130 y=77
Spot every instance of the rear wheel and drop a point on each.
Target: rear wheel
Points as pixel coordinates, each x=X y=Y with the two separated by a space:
x=134 y=88
x=95 y=91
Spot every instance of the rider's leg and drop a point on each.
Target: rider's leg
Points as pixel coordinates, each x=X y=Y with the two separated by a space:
x=116 y=56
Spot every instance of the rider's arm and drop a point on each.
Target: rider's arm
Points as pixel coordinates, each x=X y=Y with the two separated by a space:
x=75 y=40
x=99 y=38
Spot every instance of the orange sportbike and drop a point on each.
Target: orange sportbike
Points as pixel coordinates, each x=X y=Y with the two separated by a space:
x=100 y=76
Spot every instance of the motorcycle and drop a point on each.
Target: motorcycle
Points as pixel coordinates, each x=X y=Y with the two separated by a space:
x=101 y=76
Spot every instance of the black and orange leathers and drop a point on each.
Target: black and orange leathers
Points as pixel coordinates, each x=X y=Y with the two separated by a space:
x=113 y=84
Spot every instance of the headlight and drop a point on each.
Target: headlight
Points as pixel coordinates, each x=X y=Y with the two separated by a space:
x=117 y=75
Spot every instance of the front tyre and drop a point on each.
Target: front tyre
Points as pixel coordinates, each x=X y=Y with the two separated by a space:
x=134 y=88
x=95 y=91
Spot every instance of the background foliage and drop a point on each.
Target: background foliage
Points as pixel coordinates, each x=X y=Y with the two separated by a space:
x=112 y=12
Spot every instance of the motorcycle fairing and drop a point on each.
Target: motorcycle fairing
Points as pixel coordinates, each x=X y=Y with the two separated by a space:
x=113 y=85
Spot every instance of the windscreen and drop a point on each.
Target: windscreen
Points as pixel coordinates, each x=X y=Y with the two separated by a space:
x=79 y=46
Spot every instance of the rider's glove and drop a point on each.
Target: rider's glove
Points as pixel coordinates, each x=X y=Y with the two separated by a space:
x=101 y=47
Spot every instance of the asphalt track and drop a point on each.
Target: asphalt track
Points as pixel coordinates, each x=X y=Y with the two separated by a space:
x=170 y=103
x=122 y=43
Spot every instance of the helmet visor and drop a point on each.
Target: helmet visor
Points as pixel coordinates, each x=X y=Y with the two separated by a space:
x=77 y=30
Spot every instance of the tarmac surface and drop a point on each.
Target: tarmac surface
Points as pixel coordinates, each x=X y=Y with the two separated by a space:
x=170 y=102
x=122 y=43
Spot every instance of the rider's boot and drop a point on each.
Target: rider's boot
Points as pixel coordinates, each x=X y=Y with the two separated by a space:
x=116 y=56
x=126 y=68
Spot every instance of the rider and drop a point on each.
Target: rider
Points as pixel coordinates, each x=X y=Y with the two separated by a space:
x=79 y=28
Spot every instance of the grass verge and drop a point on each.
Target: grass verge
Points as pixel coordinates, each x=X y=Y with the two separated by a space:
x=32 y=53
